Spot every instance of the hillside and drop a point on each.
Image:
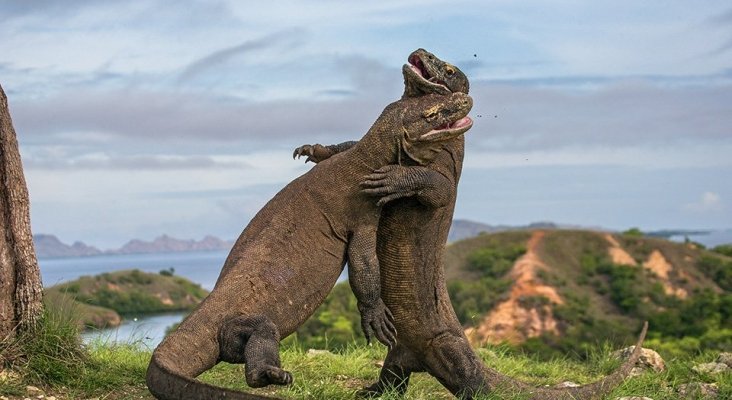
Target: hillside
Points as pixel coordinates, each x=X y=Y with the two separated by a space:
x=101 y=300
x=557 y=287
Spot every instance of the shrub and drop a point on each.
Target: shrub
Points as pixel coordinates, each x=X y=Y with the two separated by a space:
x=495 y=262
x=633 y=232
x=724 y=249
x=718 y=270
x=52 y=352
x=471 y=299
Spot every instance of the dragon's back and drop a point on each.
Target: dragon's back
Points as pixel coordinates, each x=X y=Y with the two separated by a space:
x=292 y=252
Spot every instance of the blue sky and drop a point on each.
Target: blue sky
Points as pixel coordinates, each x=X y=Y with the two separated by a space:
x=145 y=117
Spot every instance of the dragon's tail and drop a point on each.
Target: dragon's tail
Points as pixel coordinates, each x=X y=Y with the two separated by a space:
x=166 y=384
x=183 y=355
x=585 y=392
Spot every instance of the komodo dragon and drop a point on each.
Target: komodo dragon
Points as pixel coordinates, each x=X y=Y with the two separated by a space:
x=411 y=237
x=290 y=255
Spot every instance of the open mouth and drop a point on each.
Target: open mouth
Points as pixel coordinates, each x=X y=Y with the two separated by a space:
x=448 y=130
x=417 y=66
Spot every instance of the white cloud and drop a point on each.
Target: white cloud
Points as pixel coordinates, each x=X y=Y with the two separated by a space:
x=708 y=202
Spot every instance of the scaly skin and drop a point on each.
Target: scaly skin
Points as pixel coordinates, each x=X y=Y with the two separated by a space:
x=280 y=269
x=411 y=237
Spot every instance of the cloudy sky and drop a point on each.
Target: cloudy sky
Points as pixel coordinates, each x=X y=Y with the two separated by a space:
x=145 y=117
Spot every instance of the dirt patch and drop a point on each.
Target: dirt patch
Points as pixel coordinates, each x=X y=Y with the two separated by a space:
x=512 y=321
x=617 y=254
x=113 y=287
x=165 y=299
x=657 y=264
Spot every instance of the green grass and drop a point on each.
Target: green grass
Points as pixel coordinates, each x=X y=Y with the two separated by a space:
x=56 y=363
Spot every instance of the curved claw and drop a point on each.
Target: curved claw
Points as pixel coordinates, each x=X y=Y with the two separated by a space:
x=377 y=321
x=315 y=153
x=303 y=150
x=270 y=375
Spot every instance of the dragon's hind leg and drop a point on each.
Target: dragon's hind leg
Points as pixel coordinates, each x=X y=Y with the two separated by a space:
x=399 y=364
x=254 y=341
x=450 y=359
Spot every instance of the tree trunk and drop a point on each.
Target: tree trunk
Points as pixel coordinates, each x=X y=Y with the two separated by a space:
x=20 y=278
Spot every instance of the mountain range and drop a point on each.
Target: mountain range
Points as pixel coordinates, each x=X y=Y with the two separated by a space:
x=49 y=246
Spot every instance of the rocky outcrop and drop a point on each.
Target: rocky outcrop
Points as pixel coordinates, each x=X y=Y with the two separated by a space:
x=698 y=390
x=649 y=360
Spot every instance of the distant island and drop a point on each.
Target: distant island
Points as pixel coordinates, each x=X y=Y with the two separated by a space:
x=49 y=246
x=101 y=301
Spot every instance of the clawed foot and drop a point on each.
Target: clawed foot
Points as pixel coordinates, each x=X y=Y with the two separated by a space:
x=389 y=183
x=378 y=389
x=269 y=376
x=315 y=153
x=370 y=392
x=377 y=321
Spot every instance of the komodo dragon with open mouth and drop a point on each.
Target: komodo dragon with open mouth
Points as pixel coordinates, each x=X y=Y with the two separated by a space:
x=281 y=268
x=416 y=218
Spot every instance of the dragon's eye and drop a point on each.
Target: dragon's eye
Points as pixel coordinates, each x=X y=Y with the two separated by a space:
x=449 y=70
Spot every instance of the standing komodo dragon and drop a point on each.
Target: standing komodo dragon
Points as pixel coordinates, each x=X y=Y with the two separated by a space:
x=411 y=237
x=290 y=255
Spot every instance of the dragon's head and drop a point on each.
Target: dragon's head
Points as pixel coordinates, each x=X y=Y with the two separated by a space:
x=424 y=74
x=431 y=120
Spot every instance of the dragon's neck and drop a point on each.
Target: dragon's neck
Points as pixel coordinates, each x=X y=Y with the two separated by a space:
x=379 y=147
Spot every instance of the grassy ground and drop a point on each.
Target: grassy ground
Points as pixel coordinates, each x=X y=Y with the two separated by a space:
x=54 y=361
x=117 y=372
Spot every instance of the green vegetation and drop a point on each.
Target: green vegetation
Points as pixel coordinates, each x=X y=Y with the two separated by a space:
x=698 y=322
x=717 y=269
x=472 y=298
x=55 y=361
x=633 y=232
x=335 y=325
x=495 y=261
x=724 y=249
x=604 y=302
